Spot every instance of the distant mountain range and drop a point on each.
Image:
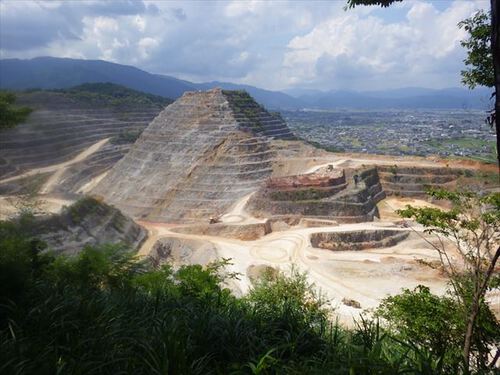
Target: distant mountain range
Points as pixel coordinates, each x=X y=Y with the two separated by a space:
x=56 y=73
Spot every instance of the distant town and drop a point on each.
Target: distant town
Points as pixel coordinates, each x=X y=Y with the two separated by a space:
x=449 y=133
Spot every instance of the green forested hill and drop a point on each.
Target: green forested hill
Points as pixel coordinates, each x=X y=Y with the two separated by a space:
x=113 y=95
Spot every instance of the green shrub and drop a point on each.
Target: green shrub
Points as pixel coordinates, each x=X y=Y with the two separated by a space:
x=103 y=311
x=427 y=320
x=10 y=114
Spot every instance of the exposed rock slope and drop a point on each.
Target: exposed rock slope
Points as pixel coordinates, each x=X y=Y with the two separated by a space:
x=87 y=222
x=332 y=196
x=199 y=156
x=413 y=181
x=358 y=240
x=63 y=124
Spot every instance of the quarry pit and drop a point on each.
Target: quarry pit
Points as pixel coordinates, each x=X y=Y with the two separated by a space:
x=275 y=202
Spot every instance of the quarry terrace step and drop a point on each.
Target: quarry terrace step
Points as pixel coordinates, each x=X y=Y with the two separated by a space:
x=57 y=130
x=102 y=132
x=60 y=146
x=198 y=156
x=63 y=123
x=62 y=117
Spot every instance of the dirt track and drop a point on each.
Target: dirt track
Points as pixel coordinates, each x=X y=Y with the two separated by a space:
x=365 y=276
x=59 y=168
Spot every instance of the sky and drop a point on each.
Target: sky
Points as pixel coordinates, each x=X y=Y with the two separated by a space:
x=270 y=44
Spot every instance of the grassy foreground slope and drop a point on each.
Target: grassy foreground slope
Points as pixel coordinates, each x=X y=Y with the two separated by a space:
x=104 y=312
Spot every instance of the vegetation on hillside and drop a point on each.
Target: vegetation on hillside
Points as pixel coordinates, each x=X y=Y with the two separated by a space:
x=10 y=114
x=488 y=147
x=114 y=95
x=322 y=146
x=245 y=106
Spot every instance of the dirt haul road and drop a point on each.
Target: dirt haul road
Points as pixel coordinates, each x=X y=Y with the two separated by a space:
x=47 y=203
x=365 y=276
x=59 y=168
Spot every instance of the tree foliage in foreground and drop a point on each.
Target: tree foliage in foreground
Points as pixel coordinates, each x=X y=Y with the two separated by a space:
x=479 y=60
x=104 y=312
x=439 y=323
x=469 y=249
x=382 y=3
x=10 y=114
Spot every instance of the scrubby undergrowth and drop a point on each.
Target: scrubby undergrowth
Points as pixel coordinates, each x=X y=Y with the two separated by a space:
x=102 y=311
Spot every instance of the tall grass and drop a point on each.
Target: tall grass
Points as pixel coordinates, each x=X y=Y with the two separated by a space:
x=102 y=312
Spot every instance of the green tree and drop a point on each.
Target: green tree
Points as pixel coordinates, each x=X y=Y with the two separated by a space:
x=479 y=60
x=495 y=49
x=10 y=115
x=472 y=227
x=382 y=3
x=427 y=321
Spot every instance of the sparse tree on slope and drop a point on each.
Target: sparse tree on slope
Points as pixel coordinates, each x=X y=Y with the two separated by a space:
x=10 y=115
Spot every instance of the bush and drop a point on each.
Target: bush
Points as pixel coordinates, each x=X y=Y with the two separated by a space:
x=10 y=114
x=427 y=321
x=103 y=311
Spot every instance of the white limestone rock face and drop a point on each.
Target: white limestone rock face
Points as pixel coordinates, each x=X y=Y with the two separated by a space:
x=195 y=159
x=178 y=252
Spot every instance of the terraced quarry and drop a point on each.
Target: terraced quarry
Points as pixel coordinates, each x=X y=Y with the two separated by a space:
x=357 y=240
x=217 y=156
x=198 y=157
x=88 y=222
x=339 y=198
x=65 y=124
x=412 y=181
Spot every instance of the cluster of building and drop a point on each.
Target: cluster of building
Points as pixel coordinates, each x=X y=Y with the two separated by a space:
x=432 y=132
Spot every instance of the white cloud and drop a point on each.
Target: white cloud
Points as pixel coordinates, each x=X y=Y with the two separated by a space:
x=269 y=44
x=146 y=46
x=361 y=51
x=140 y=23
x=240 y=8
